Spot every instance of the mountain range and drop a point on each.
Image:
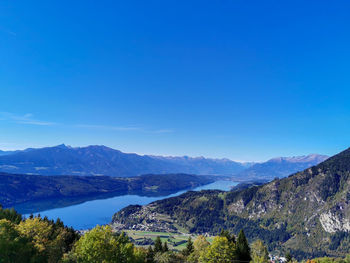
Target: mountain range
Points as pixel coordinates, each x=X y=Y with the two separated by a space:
x=281 y=166
x=306 y=213
x=8 y=152
x=102 y=160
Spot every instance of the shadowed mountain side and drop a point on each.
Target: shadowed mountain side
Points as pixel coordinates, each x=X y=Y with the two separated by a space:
x=17 y=188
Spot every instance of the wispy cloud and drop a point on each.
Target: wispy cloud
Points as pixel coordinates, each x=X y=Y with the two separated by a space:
x=24 y=119
x=106 y=127
x=122 y=128
x=28 y=119
x=163 y=131
x=5 y=30
x=12 y=33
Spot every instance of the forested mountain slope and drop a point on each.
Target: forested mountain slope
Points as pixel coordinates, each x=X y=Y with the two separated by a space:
x=307 y=213
x=19 y=188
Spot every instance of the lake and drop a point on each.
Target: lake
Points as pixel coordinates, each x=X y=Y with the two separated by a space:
x=88 y=214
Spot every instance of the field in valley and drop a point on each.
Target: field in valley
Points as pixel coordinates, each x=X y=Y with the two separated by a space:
x=176 y=241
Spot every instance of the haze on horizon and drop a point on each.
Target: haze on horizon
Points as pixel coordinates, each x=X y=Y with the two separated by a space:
x=242 y=80
x=299 y=157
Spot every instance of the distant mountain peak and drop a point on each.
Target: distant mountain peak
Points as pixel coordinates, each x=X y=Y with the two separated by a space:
x=102 y=160
x=63 y=146
x=282 y=166
x=302 y=158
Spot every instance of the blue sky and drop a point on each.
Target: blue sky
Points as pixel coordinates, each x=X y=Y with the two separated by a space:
x=247 y=80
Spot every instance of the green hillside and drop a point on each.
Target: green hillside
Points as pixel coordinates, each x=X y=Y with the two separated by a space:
x=306 y=213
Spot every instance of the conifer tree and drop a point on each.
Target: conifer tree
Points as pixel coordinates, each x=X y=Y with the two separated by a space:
x=288 y=257
x=158 y=246
x=150 y=255
x=189 y=247
x=165 y=247
x=230 y=238
x=242 y=248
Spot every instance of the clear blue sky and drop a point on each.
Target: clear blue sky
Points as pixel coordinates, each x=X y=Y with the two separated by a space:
x=247 y=80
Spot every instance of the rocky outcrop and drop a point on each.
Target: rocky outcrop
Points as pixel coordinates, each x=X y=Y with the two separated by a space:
x=333 y=222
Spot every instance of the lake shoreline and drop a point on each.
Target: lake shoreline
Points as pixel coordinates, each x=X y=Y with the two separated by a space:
x=87 y=214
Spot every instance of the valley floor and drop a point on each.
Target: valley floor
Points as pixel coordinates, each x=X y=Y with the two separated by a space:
x=175 y=241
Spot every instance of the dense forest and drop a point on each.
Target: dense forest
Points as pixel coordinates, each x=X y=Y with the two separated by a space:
x=20 y=188
x=41 y=240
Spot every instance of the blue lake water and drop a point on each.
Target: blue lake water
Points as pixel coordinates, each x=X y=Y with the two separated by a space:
x=90 y=213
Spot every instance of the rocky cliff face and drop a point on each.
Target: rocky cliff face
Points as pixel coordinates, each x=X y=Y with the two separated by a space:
x=332 y=223
x=308 y=212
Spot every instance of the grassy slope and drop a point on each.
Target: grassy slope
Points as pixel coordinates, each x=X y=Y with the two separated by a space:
x=170 y=238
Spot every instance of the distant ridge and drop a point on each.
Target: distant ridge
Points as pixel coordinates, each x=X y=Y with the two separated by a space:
x=315 y=158
x=282 y=166
x=8 y=152
x=101 y=160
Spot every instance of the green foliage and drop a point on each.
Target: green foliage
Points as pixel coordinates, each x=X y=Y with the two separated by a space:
x=160 y=253
x=101 y=245
x=200 y=247
x=158 y=246
x=38 y=231
x=13 y=246
x=166 y=257
x=11 y=215
x=243 y=249
x=40 y=240
x=230 y=238
x=189 y=248
x=140 y=255
x=165 y=247
x=329 y=186
x=34 y=239
x=338 y=238
x=289 y=257
x=51 y=239
x=205 y=216
x=327 y=260
x=220 y=251
x=259 y=252
x=150 y=255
